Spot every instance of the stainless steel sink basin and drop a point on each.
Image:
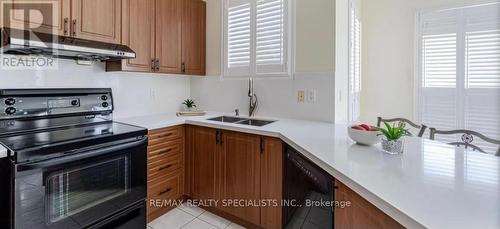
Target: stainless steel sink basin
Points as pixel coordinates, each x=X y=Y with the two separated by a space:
x=255 y=122
x=227 y=119
x=242 y=121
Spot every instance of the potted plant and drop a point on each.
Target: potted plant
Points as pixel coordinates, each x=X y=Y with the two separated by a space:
x=190 y=105
x=392 y=142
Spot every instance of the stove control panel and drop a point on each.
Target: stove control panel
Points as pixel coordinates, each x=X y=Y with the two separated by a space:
x=25 y=103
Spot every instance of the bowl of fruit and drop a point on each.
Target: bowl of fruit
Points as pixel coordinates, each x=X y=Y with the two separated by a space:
x=364 y=134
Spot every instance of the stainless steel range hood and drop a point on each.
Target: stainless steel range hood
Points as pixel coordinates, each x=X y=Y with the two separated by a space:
x=21 y=42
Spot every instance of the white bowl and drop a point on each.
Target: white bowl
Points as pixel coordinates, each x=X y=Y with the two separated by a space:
x=363 y=137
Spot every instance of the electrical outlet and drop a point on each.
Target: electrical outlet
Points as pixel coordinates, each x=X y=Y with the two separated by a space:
x=300 y=96
x=152 y=94
x=311 y=96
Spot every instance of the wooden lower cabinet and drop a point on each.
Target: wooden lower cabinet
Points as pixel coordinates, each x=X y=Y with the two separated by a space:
x=361 y=214
x=230 y=166
x=166 y=172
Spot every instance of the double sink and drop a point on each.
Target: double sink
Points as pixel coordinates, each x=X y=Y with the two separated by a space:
x=242 y=121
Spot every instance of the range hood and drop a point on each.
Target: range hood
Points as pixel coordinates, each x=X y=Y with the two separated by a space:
x=22 y=42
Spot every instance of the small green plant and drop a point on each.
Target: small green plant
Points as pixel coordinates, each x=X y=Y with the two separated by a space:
x=394 y=132
x=189 y=103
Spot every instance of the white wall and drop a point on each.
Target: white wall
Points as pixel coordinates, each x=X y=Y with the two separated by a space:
x=135 y=94
x=315 y=64
x=388 y=30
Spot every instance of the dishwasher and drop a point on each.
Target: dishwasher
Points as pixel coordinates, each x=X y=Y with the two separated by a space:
x=306 y=190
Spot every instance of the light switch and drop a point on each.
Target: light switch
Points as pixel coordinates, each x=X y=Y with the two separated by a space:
x=311 y=96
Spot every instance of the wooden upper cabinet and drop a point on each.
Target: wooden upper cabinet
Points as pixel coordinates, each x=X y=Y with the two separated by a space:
x=49 y=16
x=241 y=173
x=193 y=37
x=138 y=34
x=168 y=35
x=98 y=20
x=202 y=162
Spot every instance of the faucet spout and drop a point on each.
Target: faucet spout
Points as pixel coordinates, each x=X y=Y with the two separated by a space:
x=253 y=103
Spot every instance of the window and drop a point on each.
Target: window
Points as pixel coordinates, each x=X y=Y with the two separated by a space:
x=256 y=34
x=354 y=65
x=459 y=64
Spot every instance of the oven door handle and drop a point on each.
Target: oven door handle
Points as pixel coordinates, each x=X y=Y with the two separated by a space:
x=80 y=156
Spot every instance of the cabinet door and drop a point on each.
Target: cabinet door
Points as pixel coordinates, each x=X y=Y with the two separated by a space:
x=202 y=162
x=168 y=35
x=98 y=20
x=193 y=37
x=48 y=16
x=241 y=174
x=138 y=34
x=271 y=180
x=361 y=213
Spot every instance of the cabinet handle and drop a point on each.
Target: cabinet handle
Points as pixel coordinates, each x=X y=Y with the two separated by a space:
x=221 y=138
x=66 y=21
x=164 y=135
x=153 y=66
x=165 y=191
x=157 y=65
x=164 y=167
x=164 y=151
x=74 y=27
x=183 y=67
x=217 y=137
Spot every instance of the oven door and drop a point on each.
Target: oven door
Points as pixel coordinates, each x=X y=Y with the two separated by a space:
x=82 y=189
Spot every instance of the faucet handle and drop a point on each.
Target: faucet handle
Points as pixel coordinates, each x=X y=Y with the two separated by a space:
x=237 y=112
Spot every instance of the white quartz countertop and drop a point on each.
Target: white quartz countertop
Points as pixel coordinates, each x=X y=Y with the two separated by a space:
x=3 y=151
x=431 y=185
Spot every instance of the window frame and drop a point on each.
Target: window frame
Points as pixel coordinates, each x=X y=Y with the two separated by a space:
x=354 y=14
x=289 y=41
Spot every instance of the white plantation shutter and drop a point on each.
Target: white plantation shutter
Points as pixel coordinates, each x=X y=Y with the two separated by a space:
x=238 y=37
x=256 y=37
x=270 y=37
x=354 y=66
x=460 y=70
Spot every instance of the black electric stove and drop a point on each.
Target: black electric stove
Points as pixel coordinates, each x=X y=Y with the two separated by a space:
x=71 y=165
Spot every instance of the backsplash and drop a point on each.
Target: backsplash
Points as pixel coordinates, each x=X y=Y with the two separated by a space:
x=135 y=94
x=277 y=97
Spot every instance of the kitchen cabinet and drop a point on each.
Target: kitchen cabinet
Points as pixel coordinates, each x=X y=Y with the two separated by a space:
x=168 y=38
x=176 y=39
x=202 y=162
x=240 y=160
x=43 y=19
x=226 y=165
x=193 y=37
x=97 y=20
x=361 y=213
x=166 y=172
x=138 y=34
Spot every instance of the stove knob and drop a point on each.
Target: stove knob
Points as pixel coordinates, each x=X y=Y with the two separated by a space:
x=105 y=104
x=74 y=102
x=10 y=110
x=104 y=97
x=10 y=101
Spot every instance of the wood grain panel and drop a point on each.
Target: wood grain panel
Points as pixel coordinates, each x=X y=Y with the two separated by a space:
x=98 y=20
x=241 y=173
x=271 y=180
x=47 y=17
x=168 y=37
x=361 y=214
x=193 y=37
x=138 y=25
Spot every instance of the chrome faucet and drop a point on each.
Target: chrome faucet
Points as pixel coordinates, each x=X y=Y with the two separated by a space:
x=254 y=102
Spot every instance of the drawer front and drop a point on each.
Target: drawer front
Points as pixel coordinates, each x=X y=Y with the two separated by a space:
x=167 y=149
x=164 y=166
x=162 y=135
x=166 y=187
